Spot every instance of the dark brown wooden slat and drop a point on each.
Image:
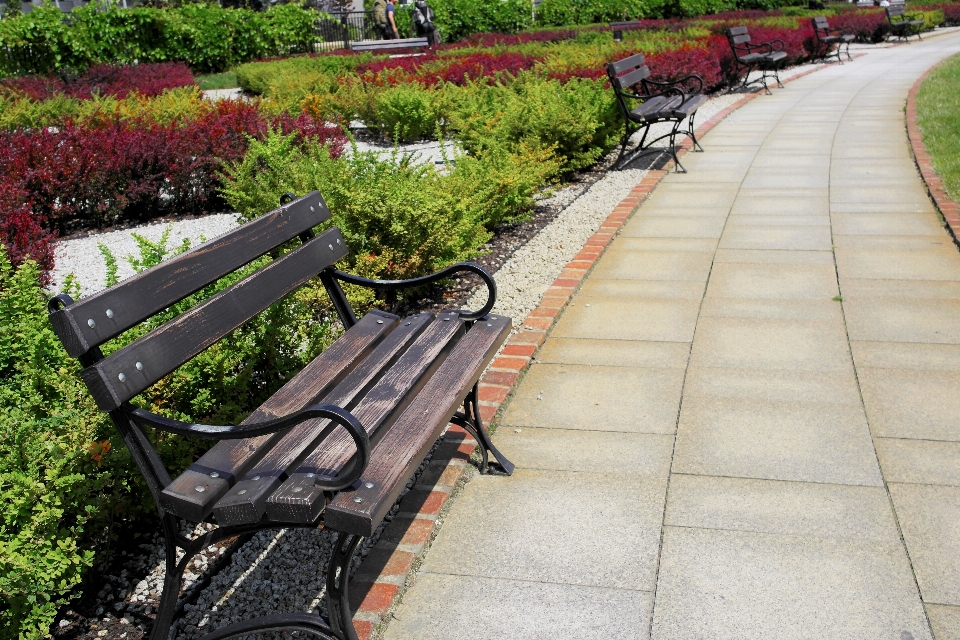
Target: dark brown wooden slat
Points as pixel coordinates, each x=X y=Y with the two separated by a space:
x=246 y=501
x=632 y=62
x=125 y=373
x=631 y=78
x=741 y=39
x=128 y=303
x=396 y=456
x=298 y=499
x=231 y=459
x=736 y=31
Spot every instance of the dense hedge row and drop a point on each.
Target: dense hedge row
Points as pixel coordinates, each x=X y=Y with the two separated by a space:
x=205 y=36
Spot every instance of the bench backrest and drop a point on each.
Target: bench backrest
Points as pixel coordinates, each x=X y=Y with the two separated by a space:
x=820 y=26
x=386 y=45
x=739 y=39
x=895 y=11
x=625 y=75
x=88 y=323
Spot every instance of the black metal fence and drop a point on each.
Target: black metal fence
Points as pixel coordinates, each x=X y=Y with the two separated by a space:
x=342 y=28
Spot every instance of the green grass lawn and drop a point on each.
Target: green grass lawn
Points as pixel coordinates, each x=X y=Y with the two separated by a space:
x=938 y=113
x=225 y=80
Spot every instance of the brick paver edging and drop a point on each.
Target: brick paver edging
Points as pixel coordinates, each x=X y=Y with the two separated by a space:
x=947 y=205
x=383 y=574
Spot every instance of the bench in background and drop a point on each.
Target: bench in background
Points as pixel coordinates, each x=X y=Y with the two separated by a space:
x=828 y=38
x=766 y=57
x=902 y=23
x=377 y=46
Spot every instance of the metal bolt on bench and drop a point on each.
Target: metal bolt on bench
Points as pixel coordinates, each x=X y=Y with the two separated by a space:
x=334 y=447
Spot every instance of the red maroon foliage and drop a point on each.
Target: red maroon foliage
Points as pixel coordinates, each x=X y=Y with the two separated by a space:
x=106 y=80
x=431 y=70
x=869 y=26
x=126 y=170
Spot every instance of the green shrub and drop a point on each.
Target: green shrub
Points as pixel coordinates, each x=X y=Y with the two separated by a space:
x=571 y=12
x=578 y=120
x=405 y=112
x=205 y=36
x=694 y=8
x=459 y=18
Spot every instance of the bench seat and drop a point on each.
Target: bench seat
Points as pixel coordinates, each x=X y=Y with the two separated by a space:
x=388 y=45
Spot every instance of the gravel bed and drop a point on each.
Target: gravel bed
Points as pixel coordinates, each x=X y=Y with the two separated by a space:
x=284 y=571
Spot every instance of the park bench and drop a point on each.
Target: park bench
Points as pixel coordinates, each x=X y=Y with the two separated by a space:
x=660 y=102
x=619 y=27
x=902 y=23
x=766 y=57
x=378 y=46
x=828 y=38
x=334 y=446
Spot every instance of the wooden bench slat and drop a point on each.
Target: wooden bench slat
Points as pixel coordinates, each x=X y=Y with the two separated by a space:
x=231 y=459
x=396 y=456
x=245 y=501
x=381 y=405
x=631 y=62
x=381 y=45
x=125 y=373
x=118 y=308
x=631 y=78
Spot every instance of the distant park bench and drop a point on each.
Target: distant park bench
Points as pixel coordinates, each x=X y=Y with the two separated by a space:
x=378 y=46
x=766 y=57
x=659 y=102
x=902 y=23
x=828 y=38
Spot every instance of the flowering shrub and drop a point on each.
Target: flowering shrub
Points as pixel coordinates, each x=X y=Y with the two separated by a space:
x=869 y=26
x=457 y=70
x=127 y=169
x=105 y=80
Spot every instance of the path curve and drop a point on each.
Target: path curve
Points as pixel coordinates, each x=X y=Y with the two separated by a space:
x=744 y=425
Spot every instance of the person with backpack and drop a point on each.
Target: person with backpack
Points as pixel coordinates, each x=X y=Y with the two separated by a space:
x=383 y=16
x=423 y=22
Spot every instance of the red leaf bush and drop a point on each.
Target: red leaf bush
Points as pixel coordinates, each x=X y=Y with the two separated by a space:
x=106 y=80
x=127 y=170
x=433 y=70
x=869 y=26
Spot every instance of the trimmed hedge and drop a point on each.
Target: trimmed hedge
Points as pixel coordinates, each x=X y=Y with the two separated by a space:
x=205 y=36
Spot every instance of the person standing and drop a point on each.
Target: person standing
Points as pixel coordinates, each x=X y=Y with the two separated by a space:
x=383 y=16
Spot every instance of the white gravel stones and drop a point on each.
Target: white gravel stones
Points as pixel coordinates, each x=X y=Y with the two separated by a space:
x=82 y=257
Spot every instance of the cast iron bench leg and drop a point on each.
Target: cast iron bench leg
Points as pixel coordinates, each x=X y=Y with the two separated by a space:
x=471 y=421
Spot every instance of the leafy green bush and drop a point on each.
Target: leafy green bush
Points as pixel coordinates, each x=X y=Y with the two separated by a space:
x=205 y=36
x=570 y=12
x=578 y=120
x=694 y=8
x=459 y=18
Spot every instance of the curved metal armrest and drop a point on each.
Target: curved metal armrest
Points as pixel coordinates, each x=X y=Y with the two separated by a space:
x=460 y=267
x=333 y=413
x=780 y=45
x=847 y=29
x=692 y=76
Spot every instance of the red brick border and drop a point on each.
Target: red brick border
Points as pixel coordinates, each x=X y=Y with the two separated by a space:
x=947 y=205
x=383 y=573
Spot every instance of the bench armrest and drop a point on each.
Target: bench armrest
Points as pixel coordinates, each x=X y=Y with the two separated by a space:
x=697 y=79
x=460 y=267
x=335 y=414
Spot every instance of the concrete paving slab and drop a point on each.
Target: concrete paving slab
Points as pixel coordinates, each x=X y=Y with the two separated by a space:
x=793 y=508
x=804 y=442
x=663 y=289
x=906 y=355
x=649 y=226
x=776 y=237
x=764 y=178
x=916 y=206
x=774 y=386
x=688 y=266
x=597 y=399
x=683 y=212
x=893 y=224
x=773 y=256
x=767 y=344
x=746 y=204
x=934 y=263
x=911 y=404
x=776 y=220
x=784 y=193
x=930 y=520
x=719 y=194
x=799 y=162
x=511 y=525
x=737 y=280
x=919 y=461
x=860 y=288
x=910 y=242
x=441 y=607
x=638 y=455
x=886 y=195
x=671 y=320
x=908 y=320
x=731 y=585
x=666 y=244
x=945 y=621
x=825 y=310
x=614 y=353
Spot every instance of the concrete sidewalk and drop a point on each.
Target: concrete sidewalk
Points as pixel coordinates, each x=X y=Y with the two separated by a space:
x=745 y=425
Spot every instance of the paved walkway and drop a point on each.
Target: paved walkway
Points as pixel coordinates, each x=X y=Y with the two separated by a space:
x=712 y=443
